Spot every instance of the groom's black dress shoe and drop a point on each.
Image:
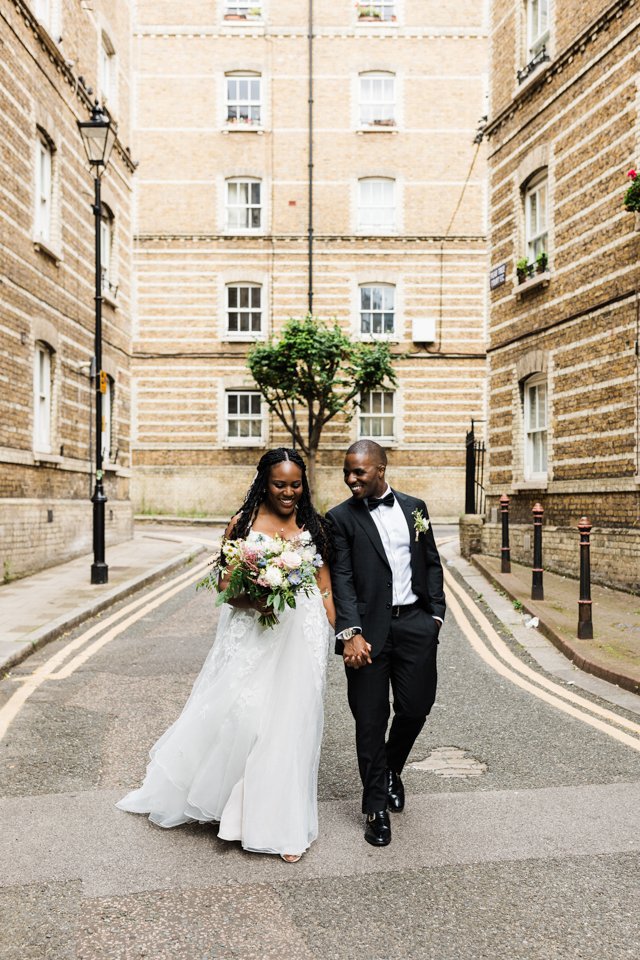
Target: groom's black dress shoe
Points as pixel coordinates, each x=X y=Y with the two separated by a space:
x=377 y=830
x=395 y=792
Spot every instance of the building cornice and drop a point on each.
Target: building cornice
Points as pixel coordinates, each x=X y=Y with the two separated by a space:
x=556 y=66
x=299 y=238
x=62 y=67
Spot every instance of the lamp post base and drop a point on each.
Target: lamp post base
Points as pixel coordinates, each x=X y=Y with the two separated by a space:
x=99 y=573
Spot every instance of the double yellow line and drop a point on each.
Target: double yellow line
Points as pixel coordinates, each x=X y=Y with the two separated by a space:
x=500 y=658
x=469 y=617
x=106 y=630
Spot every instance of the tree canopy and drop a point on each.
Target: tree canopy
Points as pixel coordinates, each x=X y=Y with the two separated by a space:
x=313 y=373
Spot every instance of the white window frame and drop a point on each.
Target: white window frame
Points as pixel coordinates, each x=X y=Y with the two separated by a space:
x=536 y=216
x=248 y=207
x=536 y=433
x=537 y=25
x=368 y=414
x=386 y=9
x=250 y=309
x=107 y=233
x=244 y=8
x=107 y=69
x=377 y=108
x=244 y=104
x=251 y=416
x=42 y=397
x=377 y=217
x=106 y=436
x=377 y=316
x=43 y=190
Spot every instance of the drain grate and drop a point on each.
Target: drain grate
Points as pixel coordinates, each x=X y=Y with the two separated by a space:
x=450 y=762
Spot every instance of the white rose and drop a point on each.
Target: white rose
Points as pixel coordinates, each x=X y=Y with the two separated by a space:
x=290 y=559
x=308 y=554
x=273 y=576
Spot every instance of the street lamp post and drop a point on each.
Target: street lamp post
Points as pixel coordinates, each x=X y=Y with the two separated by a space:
x=98 y=136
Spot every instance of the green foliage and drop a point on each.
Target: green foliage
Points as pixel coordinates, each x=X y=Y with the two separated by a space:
x=319 y=368
x=518 y=605
x=632 y=195
x=522 y=263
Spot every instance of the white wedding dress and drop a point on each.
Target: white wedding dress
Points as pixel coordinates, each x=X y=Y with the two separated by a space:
x=246 y=747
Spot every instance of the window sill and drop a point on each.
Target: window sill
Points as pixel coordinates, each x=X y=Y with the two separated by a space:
x=540 y=484
x=377 y=337
x=251 y=442
x=243 y=22
x=39 y=456
x=533 y=75
x=110 y=300
x=246 y=232
x=378 y=21
x=243 y=128
x=364 y=233
x=537 y=280
x=244 y=337
x=377 y=128
x=48 y=251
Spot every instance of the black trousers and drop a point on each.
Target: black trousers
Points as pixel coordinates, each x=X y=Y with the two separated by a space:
x=407 y=662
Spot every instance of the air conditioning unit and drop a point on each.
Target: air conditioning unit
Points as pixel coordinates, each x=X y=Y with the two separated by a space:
x=424 y=330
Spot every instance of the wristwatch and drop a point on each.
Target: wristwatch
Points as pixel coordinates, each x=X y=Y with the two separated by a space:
x=348 y=634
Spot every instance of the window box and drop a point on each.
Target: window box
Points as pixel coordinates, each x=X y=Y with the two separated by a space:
x=377 y=11
x=533 y=282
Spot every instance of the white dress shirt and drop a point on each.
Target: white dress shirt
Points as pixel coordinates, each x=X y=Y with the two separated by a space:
x=396 y=540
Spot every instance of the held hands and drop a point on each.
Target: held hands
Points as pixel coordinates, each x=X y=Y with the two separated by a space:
x=356 y=652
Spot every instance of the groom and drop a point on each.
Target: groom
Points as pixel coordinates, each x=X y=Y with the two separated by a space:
x=387 y=586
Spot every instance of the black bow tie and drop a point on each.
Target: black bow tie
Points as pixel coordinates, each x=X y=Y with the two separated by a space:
x=373 y=502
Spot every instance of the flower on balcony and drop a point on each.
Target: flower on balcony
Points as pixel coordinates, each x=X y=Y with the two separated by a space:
x=632 y=196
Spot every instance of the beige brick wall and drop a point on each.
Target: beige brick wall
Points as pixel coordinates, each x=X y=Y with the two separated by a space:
x=183 y=358
x=47 y=291
x=577 y=116
x=615 y=553
x=42 y=532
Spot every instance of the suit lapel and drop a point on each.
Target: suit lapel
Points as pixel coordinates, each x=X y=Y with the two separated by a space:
x=363 y=517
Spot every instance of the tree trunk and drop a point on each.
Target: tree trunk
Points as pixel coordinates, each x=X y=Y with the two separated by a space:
x=311 y=472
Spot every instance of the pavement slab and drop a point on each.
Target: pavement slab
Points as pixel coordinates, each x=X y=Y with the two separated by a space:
x=476 y=911
x=221 y=922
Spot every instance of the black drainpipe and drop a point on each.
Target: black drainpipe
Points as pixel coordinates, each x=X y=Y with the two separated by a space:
x=310 y=200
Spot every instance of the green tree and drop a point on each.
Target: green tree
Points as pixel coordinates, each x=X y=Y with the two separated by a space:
x=314 y=372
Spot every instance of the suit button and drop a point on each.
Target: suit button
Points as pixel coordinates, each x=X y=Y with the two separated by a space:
x=388 y=606
x=389 y=584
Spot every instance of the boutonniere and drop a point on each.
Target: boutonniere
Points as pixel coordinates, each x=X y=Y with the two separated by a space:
x=420 y=525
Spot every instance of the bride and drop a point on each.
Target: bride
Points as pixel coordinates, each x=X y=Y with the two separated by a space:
x=245 y=750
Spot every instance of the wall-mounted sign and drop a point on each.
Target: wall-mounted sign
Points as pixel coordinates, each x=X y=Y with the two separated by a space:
x=498 y=276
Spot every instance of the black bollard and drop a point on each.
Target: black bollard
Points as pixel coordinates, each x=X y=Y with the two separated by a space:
x=505 y=564
x=537 y=589
x=585 y=623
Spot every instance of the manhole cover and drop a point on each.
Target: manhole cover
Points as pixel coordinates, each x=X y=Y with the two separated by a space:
x=450 y=762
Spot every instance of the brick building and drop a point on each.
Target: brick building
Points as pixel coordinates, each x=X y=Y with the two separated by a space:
x=563 y=335
x=223 y=251
x=58 y=55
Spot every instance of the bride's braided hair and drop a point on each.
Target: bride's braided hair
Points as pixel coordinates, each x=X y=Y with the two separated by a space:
x=306 y=515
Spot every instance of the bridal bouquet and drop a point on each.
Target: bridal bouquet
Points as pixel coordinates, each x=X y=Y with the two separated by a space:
x=267 y=569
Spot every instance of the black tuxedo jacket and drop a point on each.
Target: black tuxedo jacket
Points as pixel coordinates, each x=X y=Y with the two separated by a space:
x=361 y=576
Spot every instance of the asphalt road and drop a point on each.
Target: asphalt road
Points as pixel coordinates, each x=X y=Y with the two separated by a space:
x=527 y=849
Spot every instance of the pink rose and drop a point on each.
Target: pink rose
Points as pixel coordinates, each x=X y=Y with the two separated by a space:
x=633 y=174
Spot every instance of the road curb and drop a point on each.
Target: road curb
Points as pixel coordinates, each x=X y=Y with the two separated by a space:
x=56 y=628
x=565 y=647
